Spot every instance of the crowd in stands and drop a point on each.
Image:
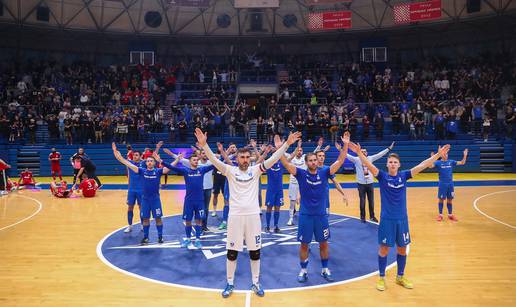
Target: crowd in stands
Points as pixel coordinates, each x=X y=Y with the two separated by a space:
x=82 y=103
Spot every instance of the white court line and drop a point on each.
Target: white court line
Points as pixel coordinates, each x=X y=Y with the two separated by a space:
x=488 y=216
x=100 y=255
x=27 y=218
x=248 y=299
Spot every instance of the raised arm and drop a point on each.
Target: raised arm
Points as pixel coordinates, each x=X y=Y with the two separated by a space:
x=357 y=149
x=463 y=161
x=381 y=153
x=224 y=154
x=280 y=152
x=291 y=168
x=122 y=160
x=168 y=166
x=430 y=161
x=202 y=140
x=342 y=155
x=183 y=161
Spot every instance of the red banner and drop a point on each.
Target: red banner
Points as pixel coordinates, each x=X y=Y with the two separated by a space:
x=318 y=2
x=419 y=11
x=329 y=20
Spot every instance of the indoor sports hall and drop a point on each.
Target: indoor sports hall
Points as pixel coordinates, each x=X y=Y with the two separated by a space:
x=257 y=153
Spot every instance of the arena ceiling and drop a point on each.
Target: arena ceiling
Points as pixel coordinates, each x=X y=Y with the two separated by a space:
x=219 y=17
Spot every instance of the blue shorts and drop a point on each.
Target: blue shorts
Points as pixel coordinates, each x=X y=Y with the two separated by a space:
x=446 y=191
x=393 y=231
x=151 y=205
x=193 y=208
x=310 y=225
x=274 y=198
x=134 y=197
x=226 y=192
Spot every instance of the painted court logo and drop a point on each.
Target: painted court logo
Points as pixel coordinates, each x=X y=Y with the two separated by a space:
x=353 y=254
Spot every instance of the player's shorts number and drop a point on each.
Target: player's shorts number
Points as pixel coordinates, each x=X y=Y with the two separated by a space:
x=258 y=239
x=326 y=233
x=158 y=211
x=406 y=236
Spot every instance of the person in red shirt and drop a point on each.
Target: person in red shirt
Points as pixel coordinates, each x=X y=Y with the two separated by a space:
x=26 y=179
x=55 y=163
x=4 y=180
x=11 y=185
x=88 y=186
x=60 y=191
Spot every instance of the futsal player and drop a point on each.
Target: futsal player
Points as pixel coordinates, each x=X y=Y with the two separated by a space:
x=61 y=190
x=194 y=198
x=89 y=168
x=274 y=195
x=446 y=190
x=394 y=227
x=298 y=159
x=207 y=180
x=229 y=157
x=26 y=179
x=313 y=217
x=88 y=186
x=244 y=216
x=321 y=157
x=151 y=203
x=134 y=189
x=55 y=163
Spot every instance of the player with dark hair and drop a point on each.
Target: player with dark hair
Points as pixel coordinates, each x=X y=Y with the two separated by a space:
x=76 y=163
x=446 y=190
x=394 y=227
x=134 y=189
x=151 y=202
x=55 y=163
x=194 y=198
x=88 y=186
x=26 y=179
x=244 y=222
x=313 y=214
x=60 y=190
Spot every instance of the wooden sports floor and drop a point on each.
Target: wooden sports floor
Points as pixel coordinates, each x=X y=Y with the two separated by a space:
x=48 y=253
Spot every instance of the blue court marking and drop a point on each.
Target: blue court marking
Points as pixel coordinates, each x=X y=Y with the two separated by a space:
x=418 y=184
x=353 y=256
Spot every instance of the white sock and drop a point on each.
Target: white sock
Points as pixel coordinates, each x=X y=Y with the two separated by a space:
x=303 y=271
x=230 y=271
x=292 y=207
x=255 y=270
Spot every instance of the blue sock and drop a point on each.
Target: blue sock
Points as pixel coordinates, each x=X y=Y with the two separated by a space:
x=198 y=230
x=401 y=260
x=188 y=232
x=324 y=263
x=449 y=206
x=130 y=215
x=441 y=207
x=304 y=264
x=268 y=216
x=146 y=231
x=276 y=218
x=160 y=230
x=225 y=213
x=382 y=264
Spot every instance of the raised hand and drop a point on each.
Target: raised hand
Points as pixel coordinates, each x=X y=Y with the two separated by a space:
x=392 y=145
x=444 y=150
x=327 y=148
x=220 y=147
x=277 y=141
x=268 y=149
x=263 y=147
x=346 y=137
x=466 y=152
x=202 y=137
x=156 y=157
x=113 y=146
x=160 y=143
x=180 y=156
x=299 y=143
x=168 y=152
x=338 y=146
x=252 y=143
x=293 y=137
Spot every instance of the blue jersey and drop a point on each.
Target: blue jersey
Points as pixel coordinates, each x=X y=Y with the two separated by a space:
x=445 y=170
x=151 y=181
x=194 y=179
x=135 y=180
x=275 y=178
x=314 y=190
x=393 y=192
